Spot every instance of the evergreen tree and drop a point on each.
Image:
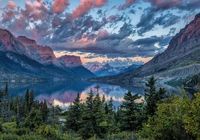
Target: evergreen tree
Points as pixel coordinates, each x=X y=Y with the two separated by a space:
x=44 y=110
x=73 y=121
x=152 y=97
x=26 y=103
x=99 y=116
x=31 y=99
x=1 y=94
x=88 y=118
x=34 y=119
x=6 y=91
x=130 y=109
x=110 y=117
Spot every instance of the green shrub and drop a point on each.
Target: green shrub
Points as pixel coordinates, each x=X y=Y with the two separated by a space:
x=9 y=137
x=9 y=127
x=47 y=131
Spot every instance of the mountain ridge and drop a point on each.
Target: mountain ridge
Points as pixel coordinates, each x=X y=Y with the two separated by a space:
x=183 y=50
x=28 y=60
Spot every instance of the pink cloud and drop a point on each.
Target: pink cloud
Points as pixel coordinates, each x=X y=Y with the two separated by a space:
x=35 y=10
x=83 y=8
x=9 y=11
x=11 y=5
x=60 y=5
x=100 y=3
x=126 y=5
x=102 y=34
x=86 y=6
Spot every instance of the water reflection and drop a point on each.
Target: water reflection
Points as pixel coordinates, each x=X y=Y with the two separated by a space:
x=63 y=93
x=64 y=96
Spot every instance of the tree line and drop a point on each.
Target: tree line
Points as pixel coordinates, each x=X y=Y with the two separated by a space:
x=154 y=115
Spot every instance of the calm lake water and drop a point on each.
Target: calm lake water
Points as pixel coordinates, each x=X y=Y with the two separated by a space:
x=63 y=93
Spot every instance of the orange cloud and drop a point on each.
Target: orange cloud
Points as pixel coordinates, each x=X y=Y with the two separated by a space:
x=60 y=5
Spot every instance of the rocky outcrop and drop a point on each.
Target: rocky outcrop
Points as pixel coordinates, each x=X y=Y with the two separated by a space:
x=75 y=65
x=44 y=55
x=70 y=61
x=180 y=59
x=8 y=42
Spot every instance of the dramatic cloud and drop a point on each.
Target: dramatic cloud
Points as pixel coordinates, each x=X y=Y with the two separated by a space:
x=35 y=10
x=99 y=28
x=149 y=20
x=11 y=5
x=86 y=6
x=9 y=12
x=60 y=5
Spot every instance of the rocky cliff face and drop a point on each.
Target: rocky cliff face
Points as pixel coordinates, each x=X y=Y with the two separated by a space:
x=44 y=55
x=75 y=65
x=26 y=46
x=179 y=60
x=70 y=61
x=8 y=42
x=24 y=58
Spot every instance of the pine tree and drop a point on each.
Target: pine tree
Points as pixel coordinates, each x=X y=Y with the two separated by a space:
x=34 y=119
x=73 y=121
x=44 y=110
x=88 y=118
x=1 y=94
x=100 y=125
x=31 y=99
x=26 y=103
x=110 y=117
x=6 y=91
x=152 y=97
x=129 y=110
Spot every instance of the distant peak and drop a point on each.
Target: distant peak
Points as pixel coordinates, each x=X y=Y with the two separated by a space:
x=107 y=65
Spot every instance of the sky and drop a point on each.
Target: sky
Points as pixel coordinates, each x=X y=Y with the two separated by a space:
x=118 y=32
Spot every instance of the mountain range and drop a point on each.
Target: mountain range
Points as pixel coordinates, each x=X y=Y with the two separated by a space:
x=108 y=70
x=105 y=70
x=23 y=60
x=179 y=61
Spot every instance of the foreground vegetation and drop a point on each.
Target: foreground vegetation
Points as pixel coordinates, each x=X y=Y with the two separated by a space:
x=157 y=115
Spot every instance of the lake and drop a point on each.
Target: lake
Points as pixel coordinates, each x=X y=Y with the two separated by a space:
x=64 y=92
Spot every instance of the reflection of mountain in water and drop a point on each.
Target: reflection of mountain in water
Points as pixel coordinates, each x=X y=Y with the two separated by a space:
x=47 y=88
x=63 y=93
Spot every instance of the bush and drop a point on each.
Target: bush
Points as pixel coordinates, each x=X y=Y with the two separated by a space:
x=47 y=131
x=9 y=137
x=9 y=127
